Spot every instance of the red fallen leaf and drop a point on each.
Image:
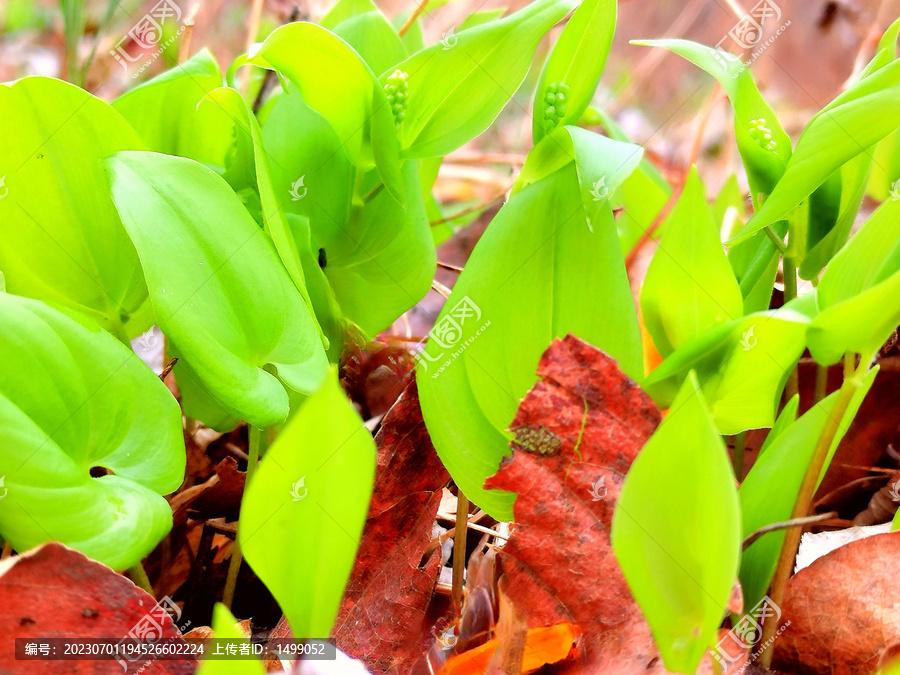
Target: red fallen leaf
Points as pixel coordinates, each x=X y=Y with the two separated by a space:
x=381 y=620
x=544 y=645
x=55 y=592
x=375 y=377
x=559 y=559
x=577 y=432
x=842 y=610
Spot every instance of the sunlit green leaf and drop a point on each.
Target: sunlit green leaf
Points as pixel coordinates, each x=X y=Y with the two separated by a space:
x=539 y=272
x=859 y=295
x=689 y=285
x=225 y=627
x=303 y=512
x=220 y=293
x=491 y=59
x=61 y=239
x=73 y=398
x=676 y=531
x=770 y=489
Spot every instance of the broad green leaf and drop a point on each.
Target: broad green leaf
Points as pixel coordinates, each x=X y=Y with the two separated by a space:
x=819 y=251
x=576 y=63
x=61 y=239
x=643 y=194
x=848 y=126
x=162 y=111
x=601 y=164
x=764 y=158
x=786 y=418
x=225 y=627
x=742 y=365
x=379 y=258
x=479 y=17
x=343 y=90
x=538 y=272
x=73 y=398
x=221 y=295
x=247 y=133
x=859 y=294
x=374 y=38
x=770 y=489
x=492 y=59
x=303 y=512
x=689 y=285
x=676 y=531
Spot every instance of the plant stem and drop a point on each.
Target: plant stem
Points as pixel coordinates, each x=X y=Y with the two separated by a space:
x=234 y=566
x=805 y=495
x=139 y=576
x=737 y=460
x=779 y=243
x=420 y=7
x=790 y=292
x=459 y=547
x=821 y=383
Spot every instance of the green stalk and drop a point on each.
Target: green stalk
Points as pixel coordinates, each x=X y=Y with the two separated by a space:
x=740 y=444
x=139 y=576
x=234 y=566
x=459 y=547
x=807 y=491
x=821 y=383
x=73 y=26
x=792 y=386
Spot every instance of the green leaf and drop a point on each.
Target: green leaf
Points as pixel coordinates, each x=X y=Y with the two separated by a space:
x=577 y=62
x=162 y=111
x=380 y=257
x=342 y=89
x=770 y=489
x=481 y=16
x=220 y=293
x=689 y=285
x=62 y=239
x=225 y=627
x=374 y=38
x=680 y=563
x=537 y=273
x=859 y=292
x=851 y=124
x=247 y=134
x=742 y=365
x=75 y=399
x=304 y=509
x=764 y=158
x=602 y=165
x=491 y=59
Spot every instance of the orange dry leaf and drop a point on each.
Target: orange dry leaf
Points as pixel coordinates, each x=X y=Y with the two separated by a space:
x=548 y=644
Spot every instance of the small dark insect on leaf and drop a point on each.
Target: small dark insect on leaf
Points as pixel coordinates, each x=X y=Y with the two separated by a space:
x=323 y=259
x=539 y=441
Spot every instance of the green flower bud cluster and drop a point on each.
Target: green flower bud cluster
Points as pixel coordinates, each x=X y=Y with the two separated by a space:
x=762 y=134
x=397 y=90
x=555 y=98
